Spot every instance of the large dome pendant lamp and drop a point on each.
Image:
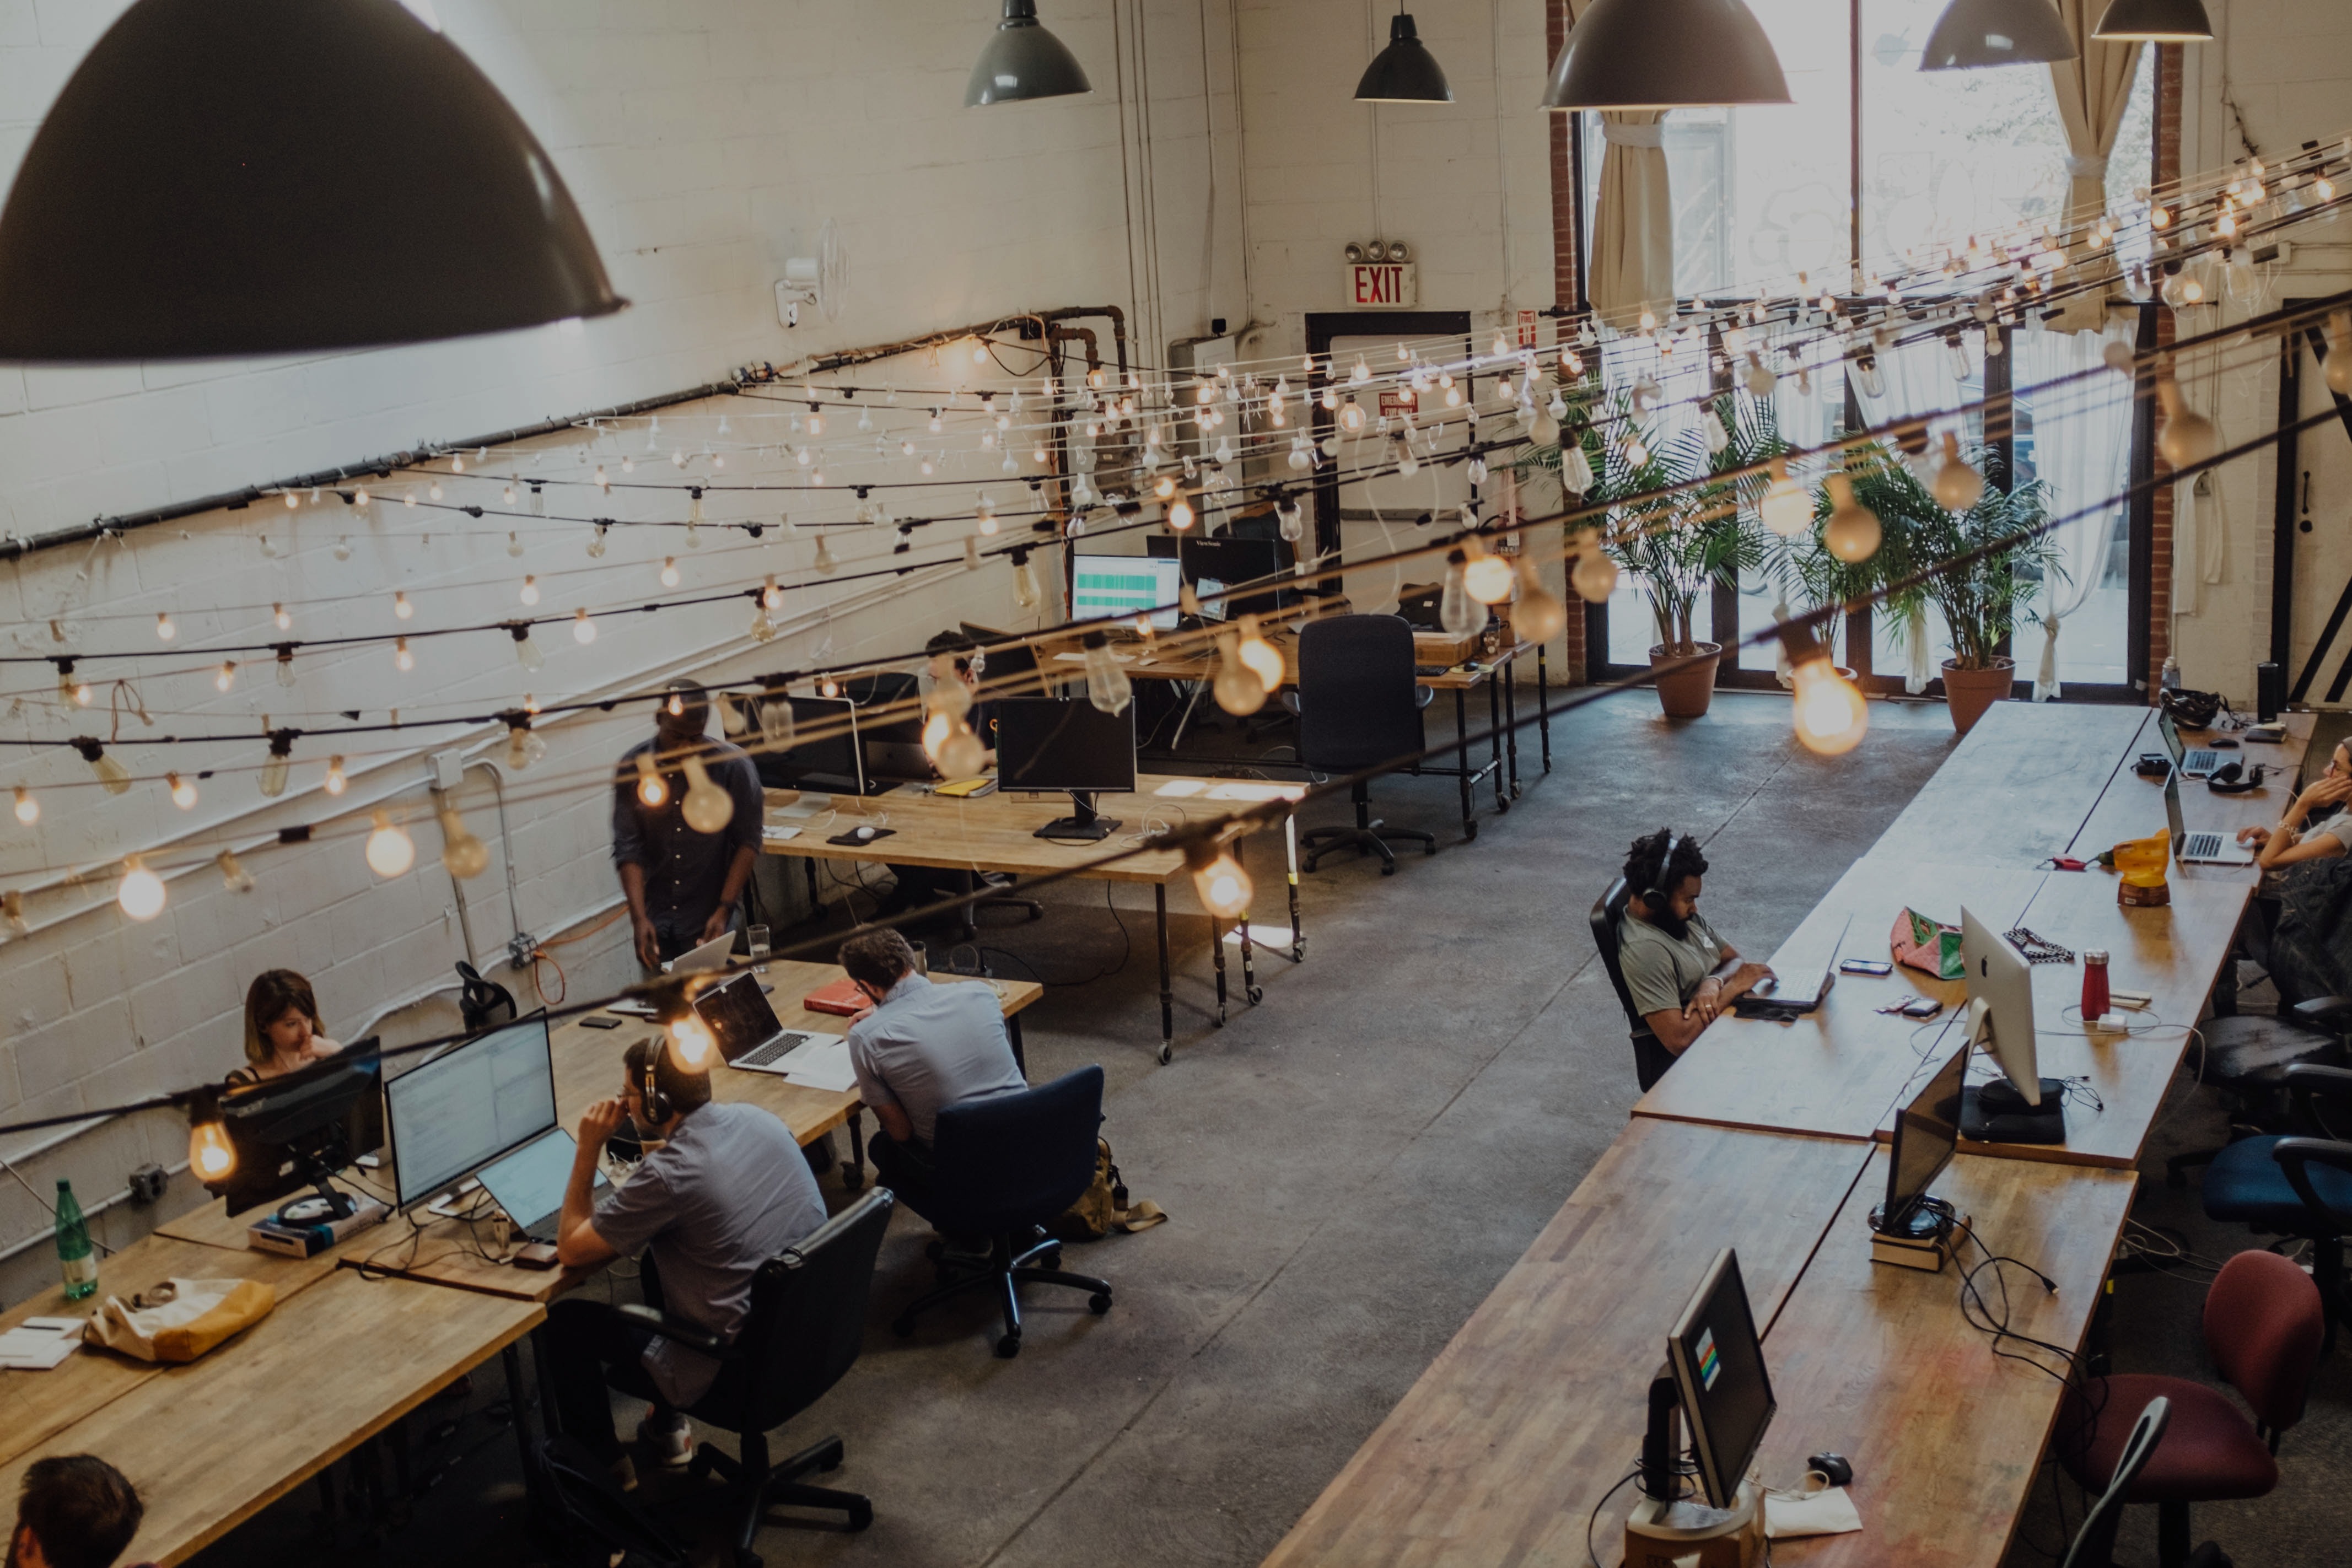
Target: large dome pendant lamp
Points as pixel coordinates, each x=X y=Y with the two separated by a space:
x=1666 y=53
x=1404 y=72
x=2156 y=21
x=1972 y=35
x=1021 y=61
x=227 y=177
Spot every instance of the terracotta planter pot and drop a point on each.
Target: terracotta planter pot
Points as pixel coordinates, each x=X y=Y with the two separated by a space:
x=1686 y=693
x=1971 y=692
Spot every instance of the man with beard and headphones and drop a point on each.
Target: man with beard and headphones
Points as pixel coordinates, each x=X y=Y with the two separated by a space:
x=721 y=1191
x=1680 y=974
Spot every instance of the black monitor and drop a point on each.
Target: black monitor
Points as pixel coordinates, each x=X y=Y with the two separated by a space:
x=466 y=1106
x=1927 y=1131
x=296 y=1131
x=823 y=753
x=1714 y=1375
x=1232 y=559
x=1067 y=743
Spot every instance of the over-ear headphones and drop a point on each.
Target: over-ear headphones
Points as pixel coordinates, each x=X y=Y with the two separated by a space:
x=657 y=1106
x=1657 y=898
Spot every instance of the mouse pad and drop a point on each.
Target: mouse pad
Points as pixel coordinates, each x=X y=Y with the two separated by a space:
x=851 y=840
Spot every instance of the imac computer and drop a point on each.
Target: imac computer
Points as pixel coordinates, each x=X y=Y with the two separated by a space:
x=1123 y=587
x=1927 y=1132
x=2021 y=1106
x=296 y=1131
x=824 y=754
x=469 y=1105
x=1067 y=743
x=1714 y=1381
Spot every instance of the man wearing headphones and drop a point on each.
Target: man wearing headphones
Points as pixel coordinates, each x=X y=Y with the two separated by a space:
x=682 y=884
x=725 y=1190
x=954 y=657
x=1680 y=974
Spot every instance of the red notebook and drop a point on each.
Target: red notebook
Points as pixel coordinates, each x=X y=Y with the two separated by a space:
x=840 y=998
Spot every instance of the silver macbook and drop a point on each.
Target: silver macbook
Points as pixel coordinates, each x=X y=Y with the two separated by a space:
x=1799 y=991
x=2200 y=849
x=711 y=955
x=747 y=1031
x=529 y=1183
x=2201 y=763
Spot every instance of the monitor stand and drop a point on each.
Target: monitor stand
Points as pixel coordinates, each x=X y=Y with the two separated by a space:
x=324 y=1204
x=1082 y=826
x=1996 y=1113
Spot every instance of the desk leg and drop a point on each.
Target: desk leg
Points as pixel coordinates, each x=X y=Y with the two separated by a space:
x=853 y=1174
x=1495 y=740
x=1462 y=755
x=816 y=903
x=970 y=915
x=1166 y=993
x=1511 y=721
x=1217 y=947
x=1543 y=704
x=1249 y=965
x=1290 y=870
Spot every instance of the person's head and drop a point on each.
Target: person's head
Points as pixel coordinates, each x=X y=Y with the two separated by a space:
x=76 y=1510
x=685 y=1092
x=280 y=1015
x=684 y=713
x=955 y=654
x=1665 y=872
x=878 y=961
x=2339 y=762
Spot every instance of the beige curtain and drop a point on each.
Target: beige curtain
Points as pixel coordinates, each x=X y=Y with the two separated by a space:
x=2093 y=90
x=1633 y=221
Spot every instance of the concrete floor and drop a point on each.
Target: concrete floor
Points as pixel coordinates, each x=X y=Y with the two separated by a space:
x=1350 y=1168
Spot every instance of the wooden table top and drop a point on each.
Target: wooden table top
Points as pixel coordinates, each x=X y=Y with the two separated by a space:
x=2133 y=807
x=1839 y=1071
x=2019 y=789
x=211 y=1444
x=1499 y=1452
x=1877 y=1364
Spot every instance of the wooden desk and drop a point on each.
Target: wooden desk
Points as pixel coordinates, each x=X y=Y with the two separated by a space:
x=1839 y=1071
x=2019 y=789
x=2133 y=807
x=1499 y=1452
x=1878 y=1364
x=212 y=1444
x=998 y=832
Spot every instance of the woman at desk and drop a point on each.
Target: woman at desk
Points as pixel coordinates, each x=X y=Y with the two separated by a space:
x=2307 y=949
x=2294 y=838
x=283 y=1032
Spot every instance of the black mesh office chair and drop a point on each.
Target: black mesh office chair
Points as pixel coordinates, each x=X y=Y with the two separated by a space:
x=806 y=1327
x=2094 y=1544
x=2297 y=1186
x=1006 y=1166
x=1359 y=706
x=2246 y=1057
x=1650 y=1059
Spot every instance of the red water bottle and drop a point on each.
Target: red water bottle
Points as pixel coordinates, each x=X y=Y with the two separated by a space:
x=2094 y=984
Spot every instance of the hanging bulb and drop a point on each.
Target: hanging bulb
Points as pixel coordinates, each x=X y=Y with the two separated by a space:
x=402 y=659
x=776 y=728
x=401 y=609
x=2189 y=438
x=1457 y=612
x=527 y=652
x=1180 y=516
x=524 y=746
x=390 y=850
x=652 y=790
x=1758 y=376
x=691 y=1046
x=1831 y=716
x=1539 y=616
x=1024 y=582
x=225 y=677
x=984 y=514
x=233 y=877
x=529 y=590
x=70 y=687
x=335 y=782
x=110 y=773
x=1237 y=689
x=583 y=630
x=709 y=809
x=286 y=667
x=1956 y=353
x=1866 y=377
x=824 y=563
x=1351 y=416
x=1544 y=429
x=343 y=544
x=1264 y=659
x=1575 y=469
x=1853 y=532
x=1290 y=519
x=972 y=551
x=962 y=756
x=1107 y=686
x=29 y=810
x=1786 y=508
x=1218 y=877
x=1486 y=578
x=433 y=491
x=1595 y=575
x=604 y=481
x=464 y=855
x=164 y=630
x=1710 y=425
x=763 y=629
x=284 y=617
x=275 y=767
x=1958 y=485
x=212 y=1157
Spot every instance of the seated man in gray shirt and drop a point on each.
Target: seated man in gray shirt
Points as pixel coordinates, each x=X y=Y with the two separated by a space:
x=919 y=1049
x=1680 y=974
x=725 y=1190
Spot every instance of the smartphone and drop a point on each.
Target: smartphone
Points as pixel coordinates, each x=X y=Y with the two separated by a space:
x=1865 y=966
x=1922 y=1008
x=599 y=1021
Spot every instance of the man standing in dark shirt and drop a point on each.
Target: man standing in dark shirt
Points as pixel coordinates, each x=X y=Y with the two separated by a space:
x=683 y=886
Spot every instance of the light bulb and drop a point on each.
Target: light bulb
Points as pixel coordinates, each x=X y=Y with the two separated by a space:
x=1594 y=577
x=1958 y=485
x=2188 y=437
x=274 y=768
x=1237 y=689
x=290 y=498
x=653 y=791
x=225 y=676
x=527 y=652
x=344 y=546
x=1539 y=616
x=336 y=783
x=761 y=629
x=1867 y=377
x=1831 y=716
x=1758 y=377
x=142 y=893
x=1264 y=659
x=1024 y=583
x=1107 y=685
x=1853 y=532
x=390 y=850
x=285 y=662
x=402 y=659
x=110 y=773
x=583 y=630
x=1180 y=516
x=1575 y=469
x=936 y=730
x=164 y=630
x=985 y=515
x=29 y=809
x=669 y=573
x=1457 y=612
x=962 y=756
x=1488 y=577
x=401 y=609
x=824 y=560
x=1218 y=877
x=464 y=855
x=433 y=491
x=284 y=617
x=12 y=912
x=776 y=728
x=524 y=747
x=530 y=594
x=233 y=877
x=1290 y=519
x=211 y=1158
x=691 y=1049
x=1351 y=416
x=1717 y=439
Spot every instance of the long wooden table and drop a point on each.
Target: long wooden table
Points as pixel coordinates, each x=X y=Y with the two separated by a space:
x=2019 y=789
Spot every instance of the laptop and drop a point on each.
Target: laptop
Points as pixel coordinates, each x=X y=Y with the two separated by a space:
x=1796 y=993
x=750 y=1038
x=529 y=1183
x=711 y=955
x=2200 y=849
x=2201 y=763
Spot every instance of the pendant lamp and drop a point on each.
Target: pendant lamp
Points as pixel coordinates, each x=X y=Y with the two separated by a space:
x=1024 y=61
x=1974 y=34
x=1404 y=72
x=2157 y=21
x=215 y=181
x=1666 y=53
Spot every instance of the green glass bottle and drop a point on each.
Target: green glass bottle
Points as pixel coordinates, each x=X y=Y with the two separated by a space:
x=77 y=1259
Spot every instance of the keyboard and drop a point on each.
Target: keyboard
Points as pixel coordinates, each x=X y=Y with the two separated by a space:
x=2201 y=761
x=2201 y=846
x=783 y=1045
x=1431 y=669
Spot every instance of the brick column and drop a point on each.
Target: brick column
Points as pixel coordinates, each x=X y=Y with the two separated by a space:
x=1564 y=204
x=2159 y=567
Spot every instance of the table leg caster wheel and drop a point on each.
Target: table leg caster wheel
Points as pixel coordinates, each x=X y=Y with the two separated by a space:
x=1008 y=1347
x=1256 y=995
x=1167 y=1054
x=1469 y=830
x=1502 y=804
x=853 y=1178
x=1100 y=1303
x=902 y=1327
x=1388 y=868
x=1430 y=848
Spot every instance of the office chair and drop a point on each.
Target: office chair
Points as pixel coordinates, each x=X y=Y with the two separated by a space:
x=807 y=1326
x=2094 y=1544
x=1359 y=705
x=2262 y=1329
x=2269 y=1183
x=2246 y=1057
x=1650 y=1059
x=1007 y=1166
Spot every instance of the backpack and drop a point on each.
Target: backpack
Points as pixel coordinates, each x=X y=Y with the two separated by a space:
x=1104 y=1207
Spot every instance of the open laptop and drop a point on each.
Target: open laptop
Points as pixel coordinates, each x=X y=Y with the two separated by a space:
x=750 y=1038
x=2200 y=849
x=529 y=1183
x=711 y=955
x=1799 y=991
x=2201 y=763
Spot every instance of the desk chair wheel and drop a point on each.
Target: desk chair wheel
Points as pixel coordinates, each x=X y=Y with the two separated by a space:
x=1388 y=868
x=1256 y=995
x=1167 y=1054
x=1100 y=1303
x=1469 y=830
x=1502 y=804
x=1008 y=1347
x=747 y=1558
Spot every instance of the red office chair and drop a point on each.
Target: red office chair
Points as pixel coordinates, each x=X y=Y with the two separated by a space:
x=2262 y=1329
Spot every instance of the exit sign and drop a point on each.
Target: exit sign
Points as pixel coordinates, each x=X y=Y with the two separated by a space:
x=1382 y=285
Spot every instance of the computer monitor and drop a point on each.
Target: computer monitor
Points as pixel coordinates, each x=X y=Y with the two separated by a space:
x=468 y=1105
x=1067 y=743
x=1716 y=1361
x=297 y=1130
x=1011 y=667
x=1125 y=586
x=890 y=744
x=1927 y=1131
x=2022 y=1107
x=825 y=751
x=1232 y=559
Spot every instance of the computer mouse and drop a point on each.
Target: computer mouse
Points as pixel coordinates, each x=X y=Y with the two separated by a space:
x=864 y=832
x=1834 y=1465
x=2224 y=743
